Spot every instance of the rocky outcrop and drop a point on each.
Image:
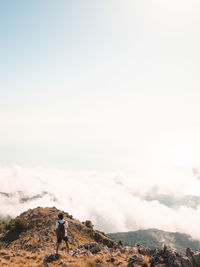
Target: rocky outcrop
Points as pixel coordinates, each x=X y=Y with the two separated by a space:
x=168 y=257
x=142 y=250
x=135 y=259
x=103 y=239
x=92 y=247
x=194 y=257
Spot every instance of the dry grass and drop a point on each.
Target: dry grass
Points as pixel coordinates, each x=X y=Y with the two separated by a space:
x=36 y=259
x=92 y=262
x=20 y=258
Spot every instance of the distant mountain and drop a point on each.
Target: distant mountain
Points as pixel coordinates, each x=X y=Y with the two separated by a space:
x=155 y=239
x=172 y=201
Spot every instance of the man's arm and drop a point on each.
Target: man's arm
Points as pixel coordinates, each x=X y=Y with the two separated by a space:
x=66 y=224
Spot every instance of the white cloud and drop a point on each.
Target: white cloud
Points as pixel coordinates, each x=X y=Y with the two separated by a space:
x=113 y=201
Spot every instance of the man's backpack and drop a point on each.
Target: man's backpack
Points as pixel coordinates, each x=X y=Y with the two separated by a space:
x=61 y=229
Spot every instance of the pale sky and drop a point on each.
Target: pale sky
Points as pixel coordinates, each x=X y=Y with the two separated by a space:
x=103 y=85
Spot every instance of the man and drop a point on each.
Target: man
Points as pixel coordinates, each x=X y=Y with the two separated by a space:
x=61 y=232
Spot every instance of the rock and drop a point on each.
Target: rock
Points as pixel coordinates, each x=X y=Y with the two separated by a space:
x=194 y=257
x=101 y=238
x=87 y=249
x=73 y=240
x=170 y=258
x=185 y=261
x=77 y=252
x=51 y=258
x=93 y=247
x=131 y=264
x=137 y=258
x=111 y=259
x=128 y=250
x=142 y=250
x=88 y=224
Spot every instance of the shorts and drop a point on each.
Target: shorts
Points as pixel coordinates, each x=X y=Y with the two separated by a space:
x=59 y=239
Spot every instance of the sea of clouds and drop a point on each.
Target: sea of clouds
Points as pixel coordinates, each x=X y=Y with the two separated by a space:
x=113 y=201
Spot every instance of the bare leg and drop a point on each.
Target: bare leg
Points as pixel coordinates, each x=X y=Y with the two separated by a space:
x=67 y=246
x=57 y=246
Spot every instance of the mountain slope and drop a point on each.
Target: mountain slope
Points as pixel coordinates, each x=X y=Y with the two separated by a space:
x=40 y=231
x=29 y=240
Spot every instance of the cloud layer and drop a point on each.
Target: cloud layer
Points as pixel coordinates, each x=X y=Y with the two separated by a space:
x=113 y=201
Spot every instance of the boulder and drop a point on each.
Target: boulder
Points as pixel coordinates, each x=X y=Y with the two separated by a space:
x=51 y=258
x=135 y=259
x=170 y=258
x=194 y=257
x=87 y=249
x=93 y=247
x=142 y=250
x=101 y=238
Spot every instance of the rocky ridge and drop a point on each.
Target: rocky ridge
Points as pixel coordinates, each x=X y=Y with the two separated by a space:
x=34 y=245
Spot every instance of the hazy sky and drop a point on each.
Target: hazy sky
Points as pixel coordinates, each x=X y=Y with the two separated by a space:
x=104 y=84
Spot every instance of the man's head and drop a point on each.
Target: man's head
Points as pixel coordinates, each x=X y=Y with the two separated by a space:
x=60 y=216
